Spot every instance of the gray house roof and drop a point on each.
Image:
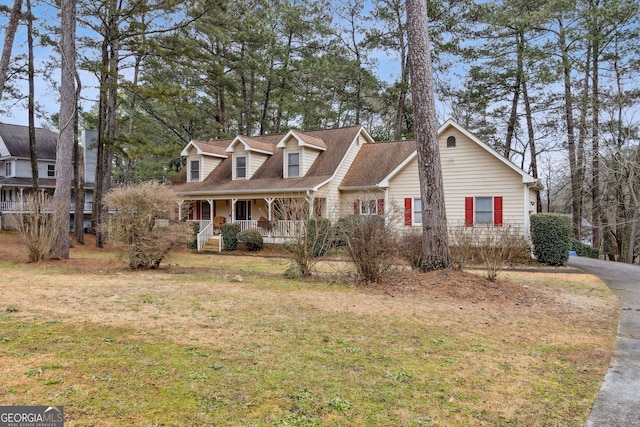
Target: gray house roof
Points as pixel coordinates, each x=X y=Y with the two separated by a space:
x=14 y=142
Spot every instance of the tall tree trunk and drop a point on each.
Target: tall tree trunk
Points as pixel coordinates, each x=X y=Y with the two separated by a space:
x=64 y=156
x=576 y=185
x=596 y=215
x=9 y=36
x=531 y=135
x=583 y=126
x=435 y=241
x=404 y=73
x=513 y=116
x=98 y=193
x=33 y=149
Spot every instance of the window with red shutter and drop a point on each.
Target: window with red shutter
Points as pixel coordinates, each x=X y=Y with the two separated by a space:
x=408 y=208
x=468 y=211
x=497 y=211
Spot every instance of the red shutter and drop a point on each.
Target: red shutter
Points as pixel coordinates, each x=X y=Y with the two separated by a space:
x=408 y=211
x=356 y=207
x=381 y=207
x=497 y=211
x=468 y=211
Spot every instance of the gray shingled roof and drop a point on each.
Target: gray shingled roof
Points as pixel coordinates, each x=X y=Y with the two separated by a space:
x=375 y=162
x=16 y=138
x=269 y=177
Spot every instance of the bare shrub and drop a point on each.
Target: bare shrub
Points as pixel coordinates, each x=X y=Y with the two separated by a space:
x=38 y=224
x=308 y=239
x=493 y=247
x=411 y=248
x=371 y=245
x=500 y=246
x=142 y=224
x=462 y=244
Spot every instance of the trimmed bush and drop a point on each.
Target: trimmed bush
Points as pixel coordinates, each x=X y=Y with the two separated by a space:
x=252 y=239
x=582 y=249
x=551 y=237
x=230 y=236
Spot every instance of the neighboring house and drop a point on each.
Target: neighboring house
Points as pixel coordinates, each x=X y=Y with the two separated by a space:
x=15 y=169
x=343 y=171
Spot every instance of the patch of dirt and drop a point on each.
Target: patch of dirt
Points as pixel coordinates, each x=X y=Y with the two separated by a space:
x=457 y=285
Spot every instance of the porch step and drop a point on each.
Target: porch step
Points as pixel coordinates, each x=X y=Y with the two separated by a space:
x=212 y=245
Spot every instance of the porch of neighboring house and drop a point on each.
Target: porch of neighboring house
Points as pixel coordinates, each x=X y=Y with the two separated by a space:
x=274 y=222
x=13 y=201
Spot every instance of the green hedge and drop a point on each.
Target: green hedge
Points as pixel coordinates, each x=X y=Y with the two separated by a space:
x=583 y=249
x=252 y=239
x=230 y=236
x=551 y=238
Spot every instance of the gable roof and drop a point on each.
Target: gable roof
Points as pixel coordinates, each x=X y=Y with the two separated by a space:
x=14 y=142
x=205 y=148
x=375 y=162
x=269 y=177
x=304 y=140
x=252 y=144
x=526 y=178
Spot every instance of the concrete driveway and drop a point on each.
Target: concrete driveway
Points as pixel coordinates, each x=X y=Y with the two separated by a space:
x=618 y=402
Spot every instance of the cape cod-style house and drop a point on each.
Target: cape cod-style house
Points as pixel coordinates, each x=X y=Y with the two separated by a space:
x=15 y=169
x=344 y=171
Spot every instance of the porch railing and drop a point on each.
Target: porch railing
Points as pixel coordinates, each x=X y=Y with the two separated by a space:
x=22 y=206
x=279 y=228
x=205 y=233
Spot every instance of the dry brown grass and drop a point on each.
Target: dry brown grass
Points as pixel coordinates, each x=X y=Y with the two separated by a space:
x=530 y=349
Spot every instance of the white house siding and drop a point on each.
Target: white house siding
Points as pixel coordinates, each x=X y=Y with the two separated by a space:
x=467 y=170
x=309 y=155
x=22 y=168
x=255 y=160
x=330 y=191
x=208 y=164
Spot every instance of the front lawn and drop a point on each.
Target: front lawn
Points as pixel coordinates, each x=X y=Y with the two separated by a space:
x=225 y=340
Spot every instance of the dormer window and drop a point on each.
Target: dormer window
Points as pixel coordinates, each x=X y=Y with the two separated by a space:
x=241 y=167
x=195 y=170
x=293 y=165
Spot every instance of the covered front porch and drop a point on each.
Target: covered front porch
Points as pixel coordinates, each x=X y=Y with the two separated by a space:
x=276 y=218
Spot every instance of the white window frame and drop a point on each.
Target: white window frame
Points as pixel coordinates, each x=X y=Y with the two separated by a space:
x=451 y=141
x=191 y=163
x=369 y=207
x=8 y=169
x=288 y=165
x=416 y=208
x=51 y=171
x=476 y=210
x=246 y=166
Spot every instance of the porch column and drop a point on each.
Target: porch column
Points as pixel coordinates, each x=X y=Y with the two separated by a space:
x=210 y=209
x=269 y=201
x=233 y=210
x=309 y=200
x=180 y=202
